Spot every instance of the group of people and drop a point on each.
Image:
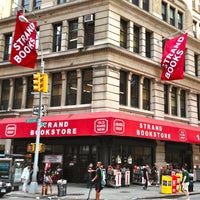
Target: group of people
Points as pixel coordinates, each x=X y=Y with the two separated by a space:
x=26 y=177
x=184 y=182
x=95 y=177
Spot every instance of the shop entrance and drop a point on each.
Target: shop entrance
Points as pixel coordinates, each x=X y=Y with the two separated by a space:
x=178 y=154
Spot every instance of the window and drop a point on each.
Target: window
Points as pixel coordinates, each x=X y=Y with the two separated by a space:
x=123 y=33
x=73 y=34
x=5 y=94
x=57 y=34
x=198 y=106
x=71 y=88
x=146 y=94
x=86 y=86
x=196 y=64
x=166 y=99
x=174 y=101
x=146 y=5
x=123 y=88
x=136 y=2
x=25 y=4
x=8 y=46
x=172 y=16
x=37 y=4
x=89 y=33
x=194 y=27
x=29 y=96
x=56 y=89
x=180 y=20
x=135 y=91
x=148 y=44
x=164 y=11
x=183 y=103
x=61 y=1
x=136 y=39
x=17 y=99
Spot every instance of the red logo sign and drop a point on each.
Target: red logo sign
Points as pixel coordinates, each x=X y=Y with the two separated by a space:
x=101 y=126
x=10 y=130
x=182 y=135
x=119 y=126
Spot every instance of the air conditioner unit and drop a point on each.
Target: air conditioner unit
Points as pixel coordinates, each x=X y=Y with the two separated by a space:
x=36 y=8
x=88 y=18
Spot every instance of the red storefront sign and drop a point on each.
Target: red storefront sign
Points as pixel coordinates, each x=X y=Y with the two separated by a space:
x=100 y=123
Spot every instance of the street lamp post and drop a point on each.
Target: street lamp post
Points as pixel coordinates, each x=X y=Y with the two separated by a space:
x=34 y=184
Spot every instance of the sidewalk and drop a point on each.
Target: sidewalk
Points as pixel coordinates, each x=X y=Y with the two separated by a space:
x=80 y=192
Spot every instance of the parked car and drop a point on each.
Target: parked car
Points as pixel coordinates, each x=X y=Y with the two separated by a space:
x=4 y=188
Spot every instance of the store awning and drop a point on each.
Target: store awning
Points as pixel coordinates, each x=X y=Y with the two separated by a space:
x=100 y=124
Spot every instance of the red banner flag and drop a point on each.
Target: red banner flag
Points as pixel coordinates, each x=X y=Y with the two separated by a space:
x=173 y=58
x=23 y=51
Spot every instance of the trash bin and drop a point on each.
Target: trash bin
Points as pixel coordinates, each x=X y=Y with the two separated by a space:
x=62 y=187
x=166 y=187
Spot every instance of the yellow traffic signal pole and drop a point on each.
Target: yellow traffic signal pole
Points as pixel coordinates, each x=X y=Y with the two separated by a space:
x=34 y=185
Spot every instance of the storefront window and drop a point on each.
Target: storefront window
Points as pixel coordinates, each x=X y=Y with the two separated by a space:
x=140 y=155
x=178 y=153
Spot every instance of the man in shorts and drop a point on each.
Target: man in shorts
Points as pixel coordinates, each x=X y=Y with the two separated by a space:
x=97 y=180
x=185 y=182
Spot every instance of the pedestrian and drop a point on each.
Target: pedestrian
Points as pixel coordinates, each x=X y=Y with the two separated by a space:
x=146 y=176
x=154 y=173
x=48 y=181
x=185 y=182
x=90 y=172
x=25 y=177
x=97 y=180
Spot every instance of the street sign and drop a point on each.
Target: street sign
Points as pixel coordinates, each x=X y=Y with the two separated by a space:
x=36 y=110
x=31 y=120
x=43 y=124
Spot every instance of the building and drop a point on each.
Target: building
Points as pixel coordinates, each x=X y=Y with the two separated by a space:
x=106 y=100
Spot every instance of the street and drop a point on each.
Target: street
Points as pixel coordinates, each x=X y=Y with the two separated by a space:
x=192 y=197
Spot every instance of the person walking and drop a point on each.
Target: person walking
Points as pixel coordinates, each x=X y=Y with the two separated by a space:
x=97 y=180
x=26 y=177
x=48 y=181
x=185 y=182
x=154 y=173
x=146 y=176
x=90 y=172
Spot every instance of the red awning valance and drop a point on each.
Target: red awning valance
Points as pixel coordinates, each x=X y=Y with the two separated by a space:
x=100 y=124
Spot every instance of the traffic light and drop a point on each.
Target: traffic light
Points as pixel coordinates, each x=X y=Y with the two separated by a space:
x=36 y=82
x=44 y=82
x=42 y=148
x=31 y=148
